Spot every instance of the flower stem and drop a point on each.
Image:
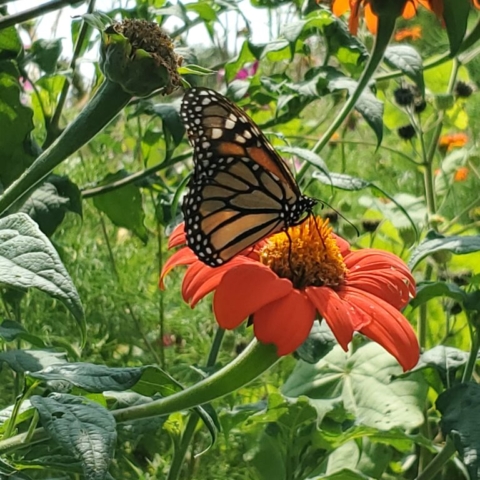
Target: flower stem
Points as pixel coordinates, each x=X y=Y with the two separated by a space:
x=179 y=455
x=109 y=100
x=472 y=359
x=253 y=361
x=34 y=12
x=438 y=462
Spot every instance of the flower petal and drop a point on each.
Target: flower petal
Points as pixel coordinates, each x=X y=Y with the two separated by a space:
x=177 y=237
x=386 y=326
x=285 y=322
x=245 y=289
x=339 y=7
x=200 y=279
x=184 y=256
x=342 y=244
x=335 y=311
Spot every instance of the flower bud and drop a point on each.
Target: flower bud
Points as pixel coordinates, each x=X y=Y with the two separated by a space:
x=139 y=56
x=406 y=132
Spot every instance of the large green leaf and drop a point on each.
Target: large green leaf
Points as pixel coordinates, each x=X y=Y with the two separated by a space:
x=434 y=242
x=460 y=409
x=11 y=330
x=320 y=341
x=28 y=260
x=406 y=59
x=82 y=427
x=45 y=54
x=22 y=361
x=123 y=206
x=362 y=382
x=455 y=16
x=428 y=290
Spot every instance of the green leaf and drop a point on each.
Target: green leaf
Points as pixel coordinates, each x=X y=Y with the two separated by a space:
x=320 y=341
x=82 y=427
x=45 y=53
x=10 y=44
x=350 y=379
x=455 y=16
x=367 y=105
x=406 y=59
x=16 y=119
x=195 y=70
x=123 y=206
x=28 y=260
x=446 y=360
x=10 y=331
x=344 y=474
x=49 y=203
x=307 y=155
x=435 y=242
x=342 y=181
x=460 y=409
x=22 y=361
x=88 y=376
x=428 y=290
x=244 y=56
x=98 y=20
x=204 y=10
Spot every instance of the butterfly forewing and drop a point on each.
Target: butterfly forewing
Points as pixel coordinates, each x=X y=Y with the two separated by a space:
x=241 y=190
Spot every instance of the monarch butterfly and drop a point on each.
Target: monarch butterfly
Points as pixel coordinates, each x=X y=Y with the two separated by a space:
x=241 y=190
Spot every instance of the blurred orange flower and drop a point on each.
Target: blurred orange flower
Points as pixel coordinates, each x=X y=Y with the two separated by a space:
x=461 y=174
x=413 y=33
x=285 y=282
x=370 y=7
x=450 y=141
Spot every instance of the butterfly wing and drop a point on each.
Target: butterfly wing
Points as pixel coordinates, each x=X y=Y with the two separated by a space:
x=241 y=190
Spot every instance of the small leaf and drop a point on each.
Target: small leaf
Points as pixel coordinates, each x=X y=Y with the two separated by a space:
x=49 y=203
x=10 y=43
x=10 y=331
x=460 y=409
x=434 y=242
x=307 y=155
x=446 y=360
x=82 y=427
x=406 y=59
x=320 y=341
x=45 y=53
x=28 y=260
x=244 y=56
x=97 y=20
x=22 y=361
x=428 y=290
x=88 y=376
x=342 y=181
x=123 y=206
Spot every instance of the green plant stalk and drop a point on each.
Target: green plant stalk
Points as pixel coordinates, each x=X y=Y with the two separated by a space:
x=253 y=361
x=473 y=357
x=21 y=17
x=432 y=469
x=386 y=25
x=180 y=452
x=109 y=100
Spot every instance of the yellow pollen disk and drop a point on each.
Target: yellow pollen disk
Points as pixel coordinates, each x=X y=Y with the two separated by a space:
x=307 y=254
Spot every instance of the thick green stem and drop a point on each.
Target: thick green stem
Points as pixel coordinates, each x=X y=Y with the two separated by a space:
x=34 y=12
x=386 y=24
x=253 y=361
x=472 y=359
x=431 y=471
x=109 y=100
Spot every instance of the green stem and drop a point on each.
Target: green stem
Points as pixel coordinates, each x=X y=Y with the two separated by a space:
x=386 y=24
x=34 y=12
x=473 y=357
x=179 y=455
x=253 y=361
x=109 y=100
x=432 y=469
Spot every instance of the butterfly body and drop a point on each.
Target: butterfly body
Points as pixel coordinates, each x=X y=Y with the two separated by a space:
x=241 y=190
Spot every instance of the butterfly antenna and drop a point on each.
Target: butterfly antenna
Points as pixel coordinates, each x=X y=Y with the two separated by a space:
x=342 y=216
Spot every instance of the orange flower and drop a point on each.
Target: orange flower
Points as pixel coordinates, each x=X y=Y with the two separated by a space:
x=461 y=174
x=413 y=33
x=282 y=284
x=452 y=140
x=370 y=9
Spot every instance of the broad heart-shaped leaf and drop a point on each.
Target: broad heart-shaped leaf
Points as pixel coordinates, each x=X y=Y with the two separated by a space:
x=18 y=151
x=89 y=377
x=428 y=290
x=363 y=383
x=82 y=427
x=460 y=409
x=434 y=242
x=123 y=206
x=406 y=59
x=455 y=16
x=49 y=203
x=28 y=260
x=31 y=360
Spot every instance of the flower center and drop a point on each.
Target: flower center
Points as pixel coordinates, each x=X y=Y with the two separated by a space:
x=307 y=254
